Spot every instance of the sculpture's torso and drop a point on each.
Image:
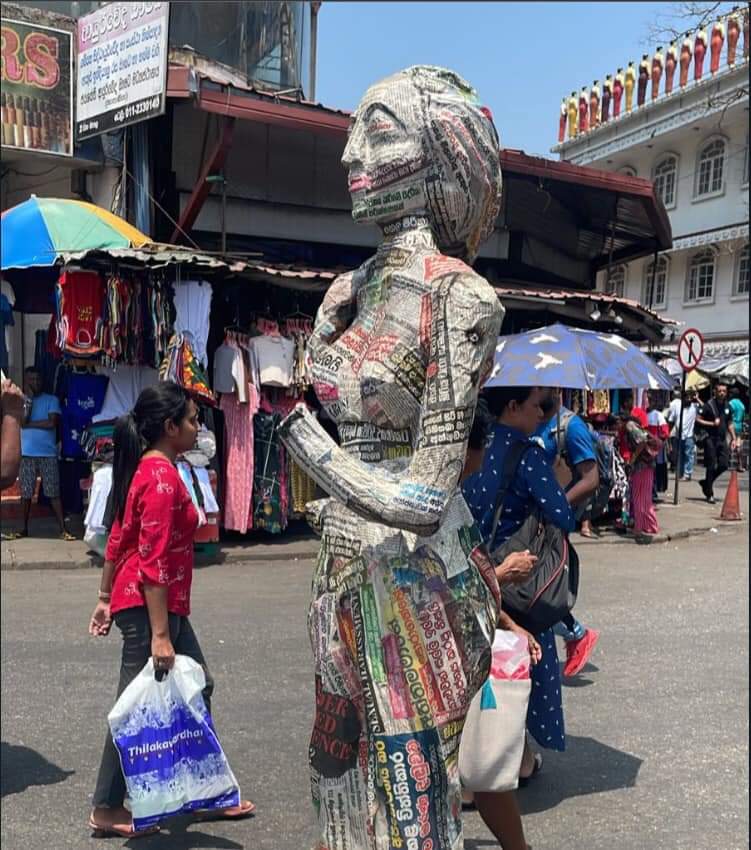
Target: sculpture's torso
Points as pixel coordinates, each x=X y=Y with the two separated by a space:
x=369 y=374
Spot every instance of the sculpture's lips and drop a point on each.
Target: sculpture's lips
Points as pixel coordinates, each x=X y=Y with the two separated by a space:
x=359 y=182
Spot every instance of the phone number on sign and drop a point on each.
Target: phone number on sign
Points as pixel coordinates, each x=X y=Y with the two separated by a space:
x=136 y=109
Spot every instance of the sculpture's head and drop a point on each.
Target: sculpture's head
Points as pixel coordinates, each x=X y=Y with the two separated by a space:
x=421 y=144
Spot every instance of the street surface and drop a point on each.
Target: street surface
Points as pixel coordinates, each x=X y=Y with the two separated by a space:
x=658 y=725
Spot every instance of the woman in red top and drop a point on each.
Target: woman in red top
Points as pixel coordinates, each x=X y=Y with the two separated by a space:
x=148 y=568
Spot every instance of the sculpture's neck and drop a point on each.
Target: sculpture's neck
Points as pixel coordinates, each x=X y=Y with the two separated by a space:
x=411 y=231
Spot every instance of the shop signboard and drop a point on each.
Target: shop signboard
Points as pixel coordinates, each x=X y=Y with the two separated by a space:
x=36 y=95
x=121 y=70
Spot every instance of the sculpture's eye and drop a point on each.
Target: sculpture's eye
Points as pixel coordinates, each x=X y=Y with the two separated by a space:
x=473 y=336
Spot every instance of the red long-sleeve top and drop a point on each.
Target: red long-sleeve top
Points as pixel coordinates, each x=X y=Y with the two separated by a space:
x=154 y=541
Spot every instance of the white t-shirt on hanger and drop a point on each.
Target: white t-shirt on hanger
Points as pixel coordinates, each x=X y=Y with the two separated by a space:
x=192 y=309
x=276 y=359
x=126 y=384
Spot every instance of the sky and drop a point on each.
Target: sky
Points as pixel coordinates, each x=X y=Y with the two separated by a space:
x=521 y=57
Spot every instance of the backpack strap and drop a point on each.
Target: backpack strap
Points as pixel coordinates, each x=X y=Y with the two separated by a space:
x=510 y=465
x=561 y=432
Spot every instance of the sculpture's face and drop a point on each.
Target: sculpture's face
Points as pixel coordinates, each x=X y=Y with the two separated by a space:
x=420 y=144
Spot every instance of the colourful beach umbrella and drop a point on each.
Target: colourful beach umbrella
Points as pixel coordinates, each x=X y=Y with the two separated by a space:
x=38 y=231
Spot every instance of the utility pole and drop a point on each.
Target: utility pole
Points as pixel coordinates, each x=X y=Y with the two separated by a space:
x=315 y=5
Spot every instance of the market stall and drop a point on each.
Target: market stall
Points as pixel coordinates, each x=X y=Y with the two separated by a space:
x=121 y=313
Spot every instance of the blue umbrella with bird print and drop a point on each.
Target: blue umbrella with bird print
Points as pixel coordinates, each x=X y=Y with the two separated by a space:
x=574 y=358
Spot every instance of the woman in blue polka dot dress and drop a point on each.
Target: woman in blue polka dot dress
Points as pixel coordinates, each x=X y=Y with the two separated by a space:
x=517 y=413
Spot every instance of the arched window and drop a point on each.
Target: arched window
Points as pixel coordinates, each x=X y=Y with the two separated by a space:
x=616 y=284
x=656 y=296
x=700 y=283
x=665 y=177
x=710 y=168
x=742 y=273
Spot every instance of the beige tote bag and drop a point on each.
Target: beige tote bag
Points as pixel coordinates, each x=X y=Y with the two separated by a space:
x=492 y=744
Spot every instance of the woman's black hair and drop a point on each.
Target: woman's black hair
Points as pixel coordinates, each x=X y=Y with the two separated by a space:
x=137 y=432
x=481 y=427
x=499 y=398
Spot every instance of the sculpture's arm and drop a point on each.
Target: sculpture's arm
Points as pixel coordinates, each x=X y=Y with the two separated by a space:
x=466 y=319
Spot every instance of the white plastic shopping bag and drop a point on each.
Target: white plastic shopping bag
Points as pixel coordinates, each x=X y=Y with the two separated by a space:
x=169 y=751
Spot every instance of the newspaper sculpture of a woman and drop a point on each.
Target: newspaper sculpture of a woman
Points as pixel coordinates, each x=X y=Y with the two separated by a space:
x=404 y=599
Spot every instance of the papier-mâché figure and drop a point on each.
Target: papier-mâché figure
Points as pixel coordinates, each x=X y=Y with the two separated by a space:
x=404 y=596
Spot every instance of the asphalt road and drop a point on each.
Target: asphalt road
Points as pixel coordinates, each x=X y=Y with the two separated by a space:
x=658 y=725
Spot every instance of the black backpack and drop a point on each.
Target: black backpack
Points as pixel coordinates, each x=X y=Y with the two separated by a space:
x=550 y=592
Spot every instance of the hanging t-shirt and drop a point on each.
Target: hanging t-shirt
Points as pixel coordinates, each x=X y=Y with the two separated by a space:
x=229 y=372
x=85 y=396
x=81 y=300
x=192 y=307
x=125 y=385
x=276 y=359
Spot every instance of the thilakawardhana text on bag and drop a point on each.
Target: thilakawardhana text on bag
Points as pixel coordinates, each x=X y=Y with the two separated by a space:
x=169 y=751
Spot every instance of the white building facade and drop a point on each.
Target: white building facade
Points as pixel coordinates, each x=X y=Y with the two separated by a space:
x=694 y=145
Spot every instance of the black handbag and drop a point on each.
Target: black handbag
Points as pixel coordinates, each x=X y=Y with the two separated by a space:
x=549 y=594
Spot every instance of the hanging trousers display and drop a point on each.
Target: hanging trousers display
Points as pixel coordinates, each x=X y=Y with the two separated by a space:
x=238 y=485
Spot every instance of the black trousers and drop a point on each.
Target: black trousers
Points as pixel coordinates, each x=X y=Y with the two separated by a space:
x=136 y=632
x=716 y=460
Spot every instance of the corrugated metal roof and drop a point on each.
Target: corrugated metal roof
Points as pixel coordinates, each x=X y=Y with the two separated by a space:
x=599 y=297
x=156 y=254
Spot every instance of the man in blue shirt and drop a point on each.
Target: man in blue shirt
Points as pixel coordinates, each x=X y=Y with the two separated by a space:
x=572 y=454
x=39 y=451
x=738 y=412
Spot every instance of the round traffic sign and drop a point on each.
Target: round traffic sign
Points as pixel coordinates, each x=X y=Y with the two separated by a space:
x=690 y=349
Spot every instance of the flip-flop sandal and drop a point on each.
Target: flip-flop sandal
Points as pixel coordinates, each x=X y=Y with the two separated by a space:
x=244 y=810
x=525 y=780
x=14 y=535
x=98 y=831
x=67 y=537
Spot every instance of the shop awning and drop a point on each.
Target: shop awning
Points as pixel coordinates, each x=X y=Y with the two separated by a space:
x=585 y=309
x=565 y=222
x=217 y=90
x=588 y=214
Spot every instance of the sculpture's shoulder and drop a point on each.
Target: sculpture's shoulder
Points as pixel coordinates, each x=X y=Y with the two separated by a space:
x=462 y=285
x=339 y=305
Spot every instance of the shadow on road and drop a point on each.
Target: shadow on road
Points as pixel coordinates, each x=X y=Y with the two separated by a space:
x=176 y=834
x=23 y=767
x=587 y=767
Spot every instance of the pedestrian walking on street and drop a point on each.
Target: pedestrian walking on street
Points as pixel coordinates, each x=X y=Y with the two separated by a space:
x=738 y=410
x=657 y=426
x=569 y=446
x=684 y=463
x=716 y=420
x=671 y=417
x=499 y=809
x=518 y=413
x=148 y=570
x=642 y=460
